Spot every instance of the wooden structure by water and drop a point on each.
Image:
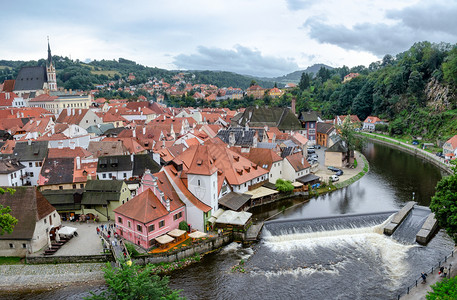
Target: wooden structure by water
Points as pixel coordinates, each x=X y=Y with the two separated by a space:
x=253 y=232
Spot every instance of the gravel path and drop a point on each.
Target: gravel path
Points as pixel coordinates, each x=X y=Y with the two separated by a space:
x=20 y=277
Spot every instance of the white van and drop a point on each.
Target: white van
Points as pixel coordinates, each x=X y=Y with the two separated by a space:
x=334 y=178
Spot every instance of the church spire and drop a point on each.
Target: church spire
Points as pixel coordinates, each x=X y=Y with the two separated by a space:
x=49 y=53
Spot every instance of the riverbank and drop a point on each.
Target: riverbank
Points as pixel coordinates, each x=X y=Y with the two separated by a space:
x=349 y=177
x=408 y=148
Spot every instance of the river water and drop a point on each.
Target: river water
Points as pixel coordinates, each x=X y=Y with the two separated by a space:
x=334 y=258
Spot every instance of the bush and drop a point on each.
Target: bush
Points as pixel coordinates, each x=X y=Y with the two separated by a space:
x=183 y=226
x=131 y=249
x=284 y=186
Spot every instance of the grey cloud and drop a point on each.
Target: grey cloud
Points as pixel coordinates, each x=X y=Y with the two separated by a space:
x=416 y=23
x=241 y=60
x=298 y=4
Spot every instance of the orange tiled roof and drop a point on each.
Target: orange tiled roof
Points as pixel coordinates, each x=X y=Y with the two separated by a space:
x=144 y=208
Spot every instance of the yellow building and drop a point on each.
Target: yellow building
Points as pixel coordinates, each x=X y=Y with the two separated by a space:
x=255 y=91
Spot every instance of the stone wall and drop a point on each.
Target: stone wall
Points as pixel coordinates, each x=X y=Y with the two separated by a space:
x=68 y=259
x=201 y=248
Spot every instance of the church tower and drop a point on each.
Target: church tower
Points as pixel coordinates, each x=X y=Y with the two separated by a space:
x=51 y=71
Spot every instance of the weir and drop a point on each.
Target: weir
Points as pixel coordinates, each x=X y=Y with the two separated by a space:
x=330 y=223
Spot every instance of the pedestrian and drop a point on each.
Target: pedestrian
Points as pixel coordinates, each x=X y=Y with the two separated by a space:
x=441 y=271
x=424 y=277
x=445 y=272
x=98 y=230
x=109 y=232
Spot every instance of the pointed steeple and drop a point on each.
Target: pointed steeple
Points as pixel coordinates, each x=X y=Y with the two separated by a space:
x=49 y=54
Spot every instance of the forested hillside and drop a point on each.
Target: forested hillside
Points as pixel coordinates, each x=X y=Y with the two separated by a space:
x=415 y=90
x=77 y=75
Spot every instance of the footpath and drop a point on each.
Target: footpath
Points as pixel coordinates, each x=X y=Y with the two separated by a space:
x=419 y=292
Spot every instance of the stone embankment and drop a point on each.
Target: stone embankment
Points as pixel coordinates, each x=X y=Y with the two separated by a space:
x=432 y=158
x=49 y=276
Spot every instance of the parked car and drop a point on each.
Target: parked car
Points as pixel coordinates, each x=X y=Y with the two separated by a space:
x=313 y=156
x=334 y=178
x=311 y=147
x=333 y=169
x=440 y=154
x=415 y=142
x=339 y=172
x=311 y=151
x=317 y=146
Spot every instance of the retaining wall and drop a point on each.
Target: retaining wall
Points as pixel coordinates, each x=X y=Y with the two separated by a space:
x=415 y=151
x=204 y=247
x=69 y=259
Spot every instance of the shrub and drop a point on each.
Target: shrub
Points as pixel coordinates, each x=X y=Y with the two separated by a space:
x=284 y=186
x=131 y=249
x=183 y=226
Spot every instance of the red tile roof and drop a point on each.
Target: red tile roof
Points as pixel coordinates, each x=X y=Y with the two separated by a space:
x=144 y=208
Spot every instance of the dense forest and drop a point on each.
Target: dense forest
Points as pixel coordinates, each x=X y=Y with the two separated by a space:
x=415 y=90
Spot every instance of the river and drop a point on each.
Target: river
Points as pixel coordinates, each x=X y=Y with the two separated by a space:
x=346 y=258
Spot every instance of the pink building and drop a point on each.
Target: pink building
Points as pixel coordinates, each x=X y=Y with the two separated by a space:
x=155 y=211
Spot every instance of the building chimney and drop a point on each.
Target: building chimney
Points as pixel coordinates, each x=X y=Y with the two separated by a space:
x=134 y=132
x=68 y=111
x=293 y=105
x=131 y=157
x=144 y=130
x=231 y=139
x=29 y=142
x=167 y=204
x=302 y=160
x=80 y=111
x=78 y=163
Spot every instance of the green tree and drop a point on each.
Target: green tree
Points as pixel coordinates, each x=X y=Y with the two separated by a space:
x=284 y=186
x=7 y=221
x=304 y=81
x=134 y=282
x=443 y=290
x=450 y=67
x=444 y=204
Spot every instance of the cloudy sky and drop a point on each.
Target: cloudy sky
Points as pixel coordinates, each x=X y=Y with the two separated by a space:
x=254 y=37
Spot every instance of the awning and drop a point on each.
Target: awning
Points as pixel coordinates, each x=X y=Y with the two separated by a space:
x=234 y=217
x=234 y=200
x=216 y=215
x=297 y=184
x=197 y=235
x=309 y=178
x=67 y=230
x=176 y=233
x=261 y=192
x=164 y=239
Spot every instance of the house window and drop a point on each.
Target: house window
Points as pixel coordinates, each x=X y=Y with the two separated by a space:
x=104 y=175
x=119 y=220
x=24 y=246
x=110 y=175
x=45 y=221
x=151 y=228
x=161 y=223
x=139 y=228
x=60 y=187
x=11 y=245
x=128 y=224
x=125 y=175
x=198 y=182
x=31 y=174
x=74 y=186
x=81 y=185
x=30 y=164
x=177 y=216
